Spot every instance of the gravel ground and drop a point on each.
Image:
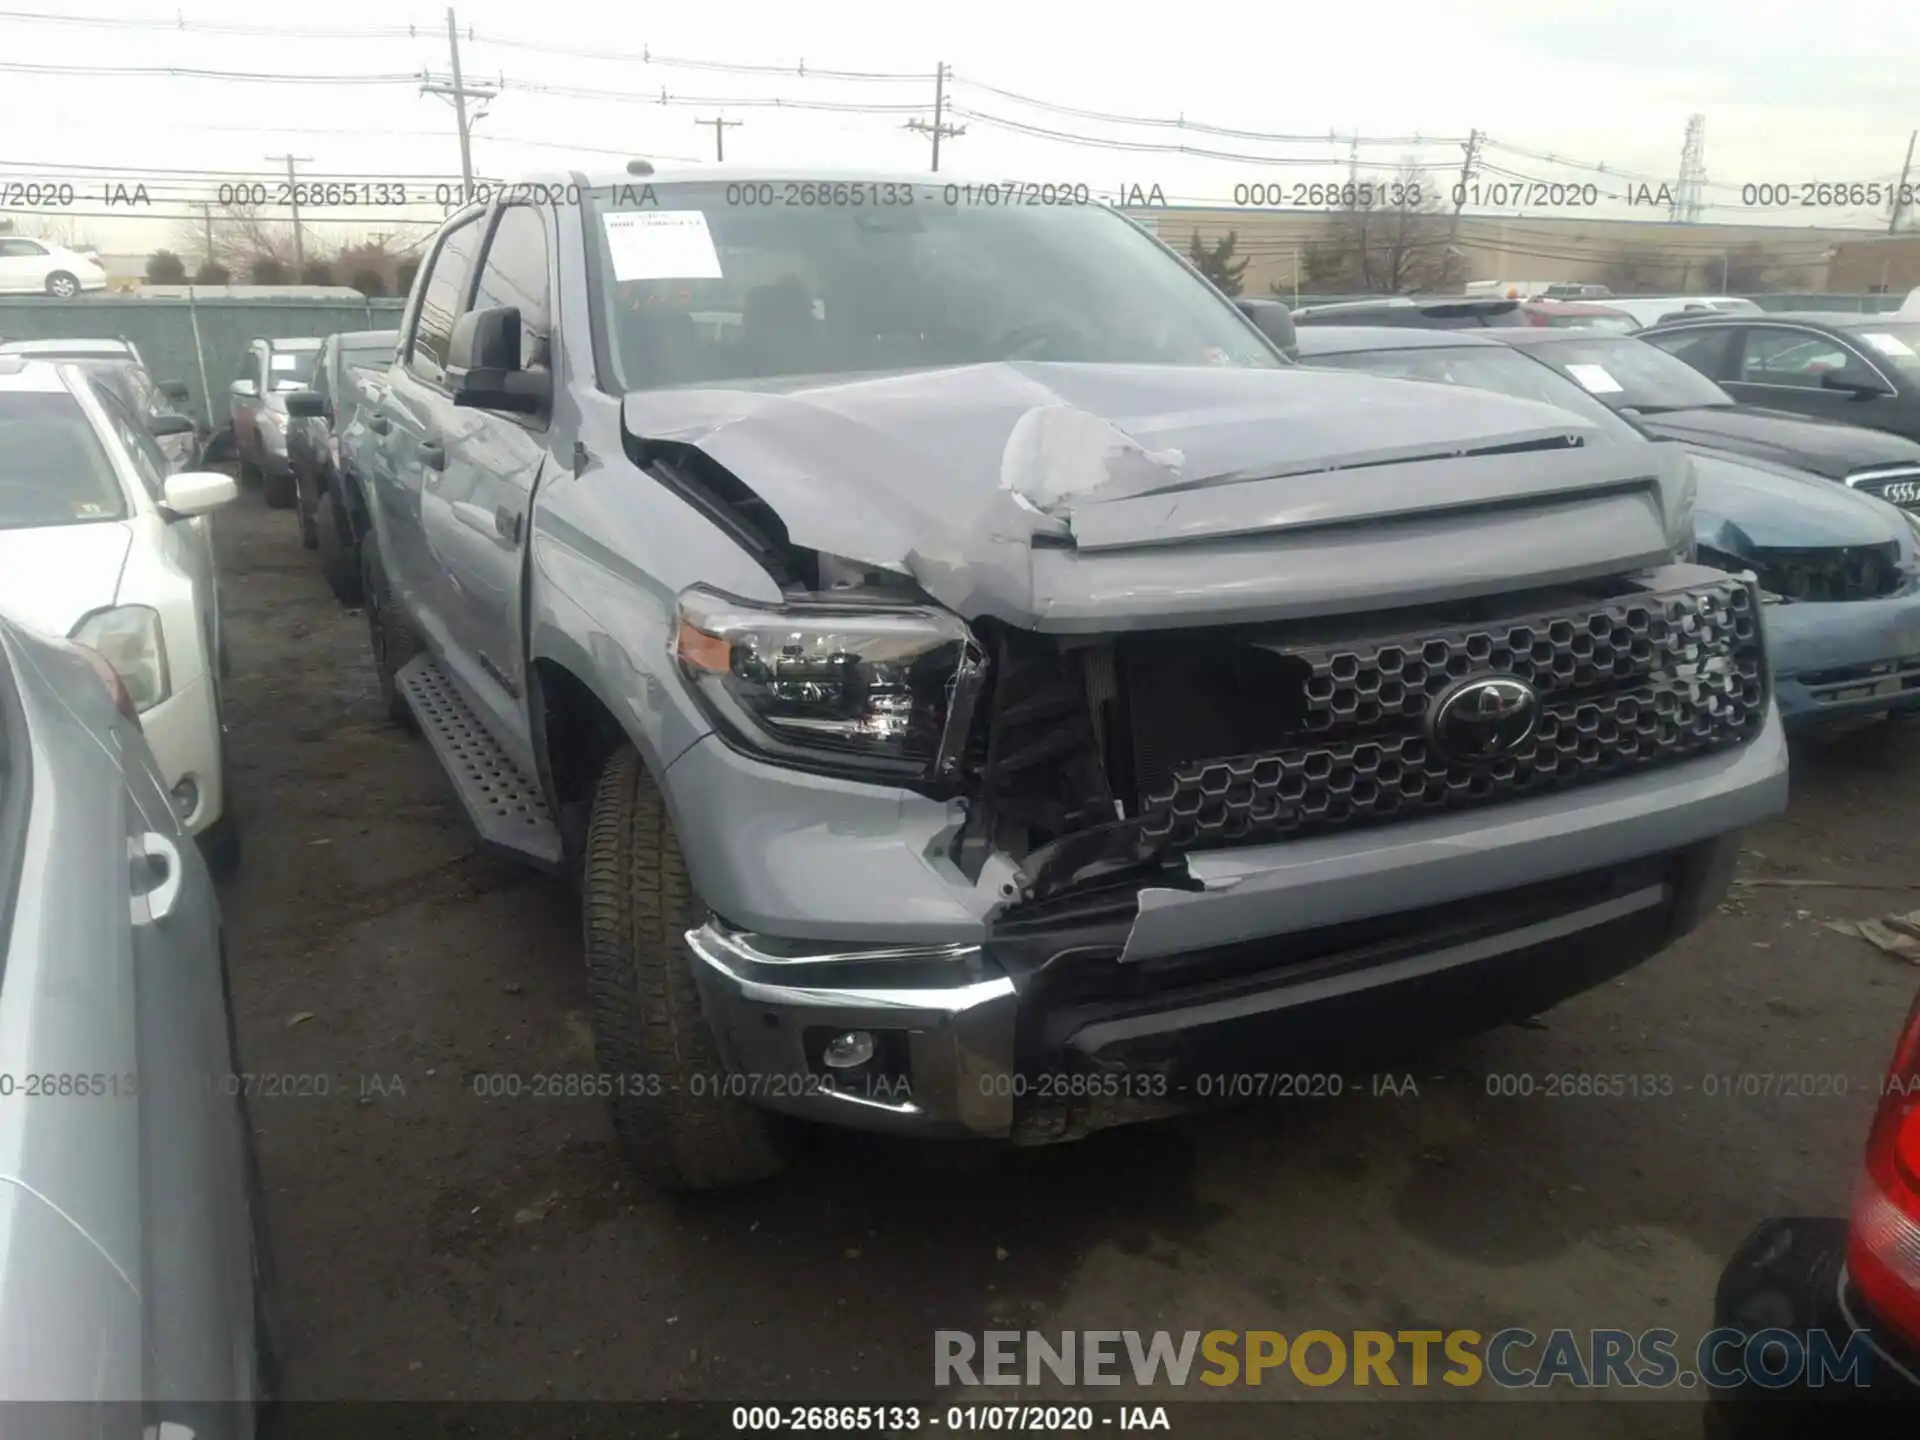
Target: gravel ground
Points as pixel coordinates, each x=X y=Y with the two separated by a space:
x=436 y=1245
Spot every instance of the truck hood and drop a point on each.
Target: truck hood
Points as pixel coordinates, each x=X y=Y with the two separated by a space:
x=1826 y=447
x=1078 y=497
x=53 y=575
x=1745 y=506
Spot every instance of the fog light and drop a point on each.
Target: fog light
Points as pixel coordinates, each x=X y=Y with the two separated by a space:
x=186 y=796
x=848 y=1051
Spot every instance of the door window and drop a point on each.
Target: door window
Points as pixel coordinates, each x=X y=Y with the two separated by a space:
x=441 y=294
x=148 y=462
x=17 y=249
x=1705 y=348
x=1798 y=358
x=515 y=273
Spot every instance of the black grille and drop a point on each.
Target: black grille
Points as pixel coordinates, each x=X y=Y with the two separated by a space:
x=1623 y=684
x=1856 y=572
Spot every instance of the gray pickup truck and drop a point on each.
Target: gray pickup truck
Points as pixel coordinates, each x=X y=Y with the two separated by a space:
x=982 y=688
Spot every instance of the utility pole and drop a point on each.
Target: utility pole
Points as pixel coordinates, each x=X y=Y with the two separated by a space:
x=939 y=127
x=293 y=194
x=1472 y=147
x=1905 y=170
x=205 y=208
x=720 y=136
x=460 y=92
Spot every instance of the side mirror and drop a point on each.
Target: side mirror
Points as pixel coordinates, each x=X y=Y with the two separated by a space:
x=308 y=404
x=485 y=340
x=1273 y=320
x=160 y=426
x=175 y=390
x=483 y=362
x=1858 y=389
x=244 y=390
x=195 y=492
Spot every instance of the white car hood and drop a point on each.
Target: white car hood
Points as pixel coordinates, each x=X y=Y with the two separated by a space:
x=52 y=575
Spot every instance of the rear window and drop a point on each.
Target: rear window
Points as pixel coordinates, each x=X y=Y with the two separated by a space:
x=1895 y=344
x=53 y=469
x=291 y=369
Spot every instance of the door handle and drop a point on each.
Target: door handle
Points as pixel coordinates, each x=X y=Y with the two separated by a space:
x=378 y=423
x=432 y=454
x=149 y=856
x=507 y=522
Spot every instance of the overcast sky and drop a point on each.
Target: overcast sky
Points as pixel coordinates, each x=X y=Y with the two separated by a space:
x=1822 y=94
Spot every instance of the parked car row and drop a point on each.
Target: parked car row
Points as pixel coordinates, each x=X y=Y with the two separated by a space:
x=133 y=1259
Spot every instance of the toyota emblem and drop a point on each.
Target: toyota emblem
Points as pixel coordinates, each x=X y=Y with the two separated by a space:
x=1485 y=718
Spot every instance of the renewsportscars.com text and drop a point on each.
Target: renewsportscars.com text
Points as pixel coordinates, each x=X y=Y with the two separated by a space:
x=1509 y=1359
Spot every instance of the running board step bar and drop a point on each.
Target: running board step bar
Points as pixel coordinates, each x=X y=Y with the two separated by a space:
x=504 y=803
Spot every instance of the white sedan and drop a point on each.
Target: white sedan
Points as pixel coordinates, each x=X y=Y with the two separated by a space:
x=33 y=267
x=99 y=544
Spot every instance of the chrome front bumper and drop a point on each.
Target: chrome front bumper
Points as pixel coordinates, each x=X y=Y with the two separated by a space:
x=762 y=1006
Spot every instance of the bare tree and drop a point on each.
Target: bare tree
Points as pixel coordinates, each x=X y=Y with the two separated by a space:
x=54 y=230
x=1401 y=242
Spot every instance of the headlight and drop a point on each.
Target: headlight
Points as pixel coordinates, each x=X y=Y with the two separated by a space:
x=886 y=691
x=129 y=639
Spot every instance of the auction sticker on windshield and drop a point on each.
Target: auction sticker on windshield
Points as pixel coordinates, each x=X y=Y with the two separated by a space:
x=661 y=245
x=1595 y=379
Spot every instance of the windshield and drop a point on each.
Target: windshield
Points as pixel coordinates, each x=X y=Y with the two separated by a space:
x=53 y=469
x=705 y=283
x=1631 y=374
x=1485 y=367
x=291 y=369
x=1896 y=345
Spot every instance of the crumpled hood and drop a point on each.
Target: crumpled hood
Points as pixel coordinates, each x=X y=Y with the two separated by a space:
x=1828 y=447
x=962 y=477
x=52 y=576
x=1742 y=506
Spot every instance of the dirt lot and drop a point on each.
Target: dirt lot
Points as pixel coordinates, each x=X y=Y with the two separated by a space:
x=434 y=1245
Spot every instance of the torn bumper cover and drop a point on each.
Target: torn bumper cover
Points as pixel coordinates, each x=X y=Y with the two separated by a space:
x=1845 y=659
x=1062 y=1016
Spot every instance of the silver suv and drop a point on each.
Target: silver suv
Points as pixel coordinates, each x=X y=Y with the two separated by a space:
x=984 y=689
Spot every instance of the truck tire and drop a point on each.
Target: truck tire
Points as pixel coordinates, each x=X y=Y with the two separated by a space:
x=308 y=514
x=394 y=642
x=281 y=492
x=339 y=561
x=637 y=904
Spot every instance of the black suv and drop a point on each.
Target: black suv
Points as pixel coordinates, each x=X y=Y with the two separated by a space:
x=1859 y=369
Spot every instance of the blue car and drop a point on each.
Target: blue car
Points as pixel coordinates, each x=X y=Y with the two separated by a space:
x=1840 y=569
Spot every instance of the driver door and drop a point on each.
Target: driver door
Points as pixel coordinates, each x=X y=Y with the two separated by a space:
x=1784 y=367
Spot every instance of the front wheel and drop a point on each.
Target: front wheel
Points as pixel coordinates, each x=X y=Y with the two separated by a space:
x=648 y=1030
x=339 y=552
x=394 y=642
x=279 y=490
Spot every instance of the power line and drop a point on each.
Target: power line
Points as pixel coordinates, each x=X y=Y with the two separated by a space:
x=1199 y=128
x=181 y=72
x=1164 y=148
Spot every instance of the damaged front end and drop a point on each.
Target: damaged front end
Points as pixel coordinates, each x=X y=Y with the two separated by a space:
x=1146 y=687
